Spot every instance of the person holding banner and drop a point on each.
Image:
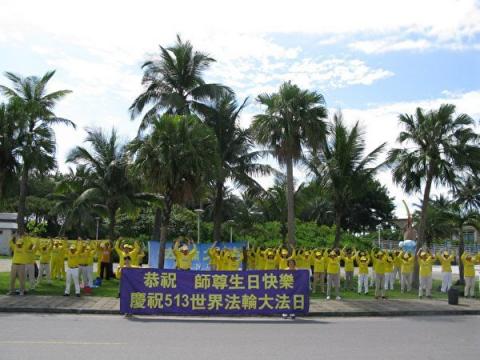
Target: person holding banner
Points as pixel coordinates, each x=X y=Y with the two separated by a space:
x=292 y=266
x=284 y=255
x=124 y=250
x=183 y=255
x=333 y=274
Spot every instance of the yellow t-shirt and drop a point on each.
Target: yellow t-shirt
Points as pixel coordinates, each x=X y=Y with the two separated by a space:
x=407 y=265
x=426 y=266
x=363 y=265
x=468 y=266
x=333 y=265
x=349 y=265
x=20 y=253
x=446 y=262
x=183 y=261
x=319 y=264
x=379 y=265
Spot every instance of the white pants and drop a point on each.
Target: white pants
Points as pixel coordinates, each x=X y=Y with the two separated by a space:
x=90 y=275
x=30 y=275
x=425 y=284
x=389 y=280
x=41 y=269
x=372 y=278
x=406 y=282
x=446 y=281
x=396 y=272
x=469 y=286
x=363 y=282
x=72 y=274
x=83 y=269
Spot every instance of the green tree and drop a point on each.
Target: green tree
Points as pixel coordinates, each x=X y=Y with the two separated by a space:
x=38 y=144
x=238 y=161
x=109 y=186
x=173 y=83
x=293 y=122
x=175 y=159
x=343 y=167
x=437 y=148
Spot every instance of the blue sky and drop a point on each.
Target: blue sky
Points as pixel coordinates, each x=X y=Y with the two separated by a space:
x=372 y=59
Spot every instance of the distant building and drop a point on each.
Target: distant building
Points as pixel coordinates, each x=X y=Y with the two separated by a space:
x=8 y=228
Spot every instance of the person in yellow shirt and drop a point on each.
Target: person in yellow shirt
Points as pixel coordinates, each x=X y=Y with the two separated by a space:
x=104 y=253
x=31 y=251
x=73 y=258
x=58 y=260
x=348 y=256
x=291 y=266
x=213 y=255
x=407 y=272
x=379 y=261
x=425 y=261
x=389 y=264
x=269 y=260
x=319 y=270
x=446 y=259
x=469 y=273
x=250 y=259
x=397 y=265
x=183 y=255
x=136 y=253
x=260 y=258
x=233 y=260
x=44 y=249
x=362 y=260
x=19 y=259
x=123 y=250
x=333 y=273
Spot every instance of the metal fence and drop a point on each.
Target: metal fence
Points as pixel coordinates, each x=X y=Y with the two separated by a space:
x=471 y=248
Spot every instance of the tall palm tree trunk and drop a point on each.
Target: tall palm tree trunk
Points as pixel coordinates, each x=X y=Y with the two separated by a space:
x=166 y=213
x=3 y=176
x=461 y=249
x=21 y=201
x=218 y=212
x=157 y=223
x=338 y=228
x=113 y=222
x=423 y=224
x=290 y=203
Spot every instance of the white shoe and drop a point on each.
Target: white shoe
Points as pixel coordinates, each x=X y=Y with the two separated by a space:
x=328 y=297
x=338 y=298
x=284 y=316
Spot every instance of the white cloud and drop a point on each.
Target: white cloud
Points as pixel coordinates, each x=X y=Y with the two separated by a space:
x=383 y=46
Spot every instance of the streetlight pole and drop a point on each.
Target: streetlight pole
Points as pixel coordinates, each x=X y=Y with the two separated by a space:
x=199 y=212
x=379 y=228
x=230 y=222
x=98 y=223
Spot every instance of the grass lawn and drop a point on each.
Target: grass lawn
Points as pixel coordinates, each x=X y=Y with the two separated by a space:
x=5 y=257
x=108 y=288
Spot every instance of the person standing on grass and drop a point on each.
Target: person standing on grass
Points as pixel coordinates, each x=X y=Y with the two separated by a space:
x=319 y=270
x=425 y=261
x=446 y=259
x=58 y=260
x=73 y=260
x=469 y=273
x=19 y=260
x=362 y=260
x=379 y=262
x=389 y=263
x=397 y=265
x=333 y=274
x=30 y=265
x=348 y=259
x=407 y=272
x=104 y=253
x=45 y=253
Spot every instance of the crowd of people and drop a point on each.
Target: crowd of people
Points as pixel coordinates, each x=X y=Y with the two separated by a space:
x=79 y=257
x=376 y=268
x=387 y=266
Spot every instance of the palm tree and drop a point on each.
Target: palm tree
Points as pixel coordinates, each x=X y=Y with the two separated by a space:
x=173 y=83
x=235 y=149
x=38 y=139
x=109 y=186
x=77 y=214
x=293 y=121
x=175 y=159
x=343 y=167
x=438 y=147
x=11 y=121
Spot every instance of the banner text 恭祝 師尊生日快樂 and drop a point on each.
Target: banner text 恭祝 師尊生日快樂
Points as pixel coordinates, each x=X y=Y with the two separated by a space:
x=153 y=291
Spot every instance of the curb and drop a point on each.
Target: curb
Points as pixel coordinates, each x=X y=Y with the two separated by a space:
x=341 y=314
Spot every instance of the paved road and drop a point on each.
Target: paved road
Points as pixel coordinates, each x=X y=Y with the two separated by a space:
x=111 y=337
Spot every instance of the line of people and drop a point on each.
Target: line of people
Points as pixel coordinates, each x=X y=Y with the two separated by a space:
x=79 y=256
